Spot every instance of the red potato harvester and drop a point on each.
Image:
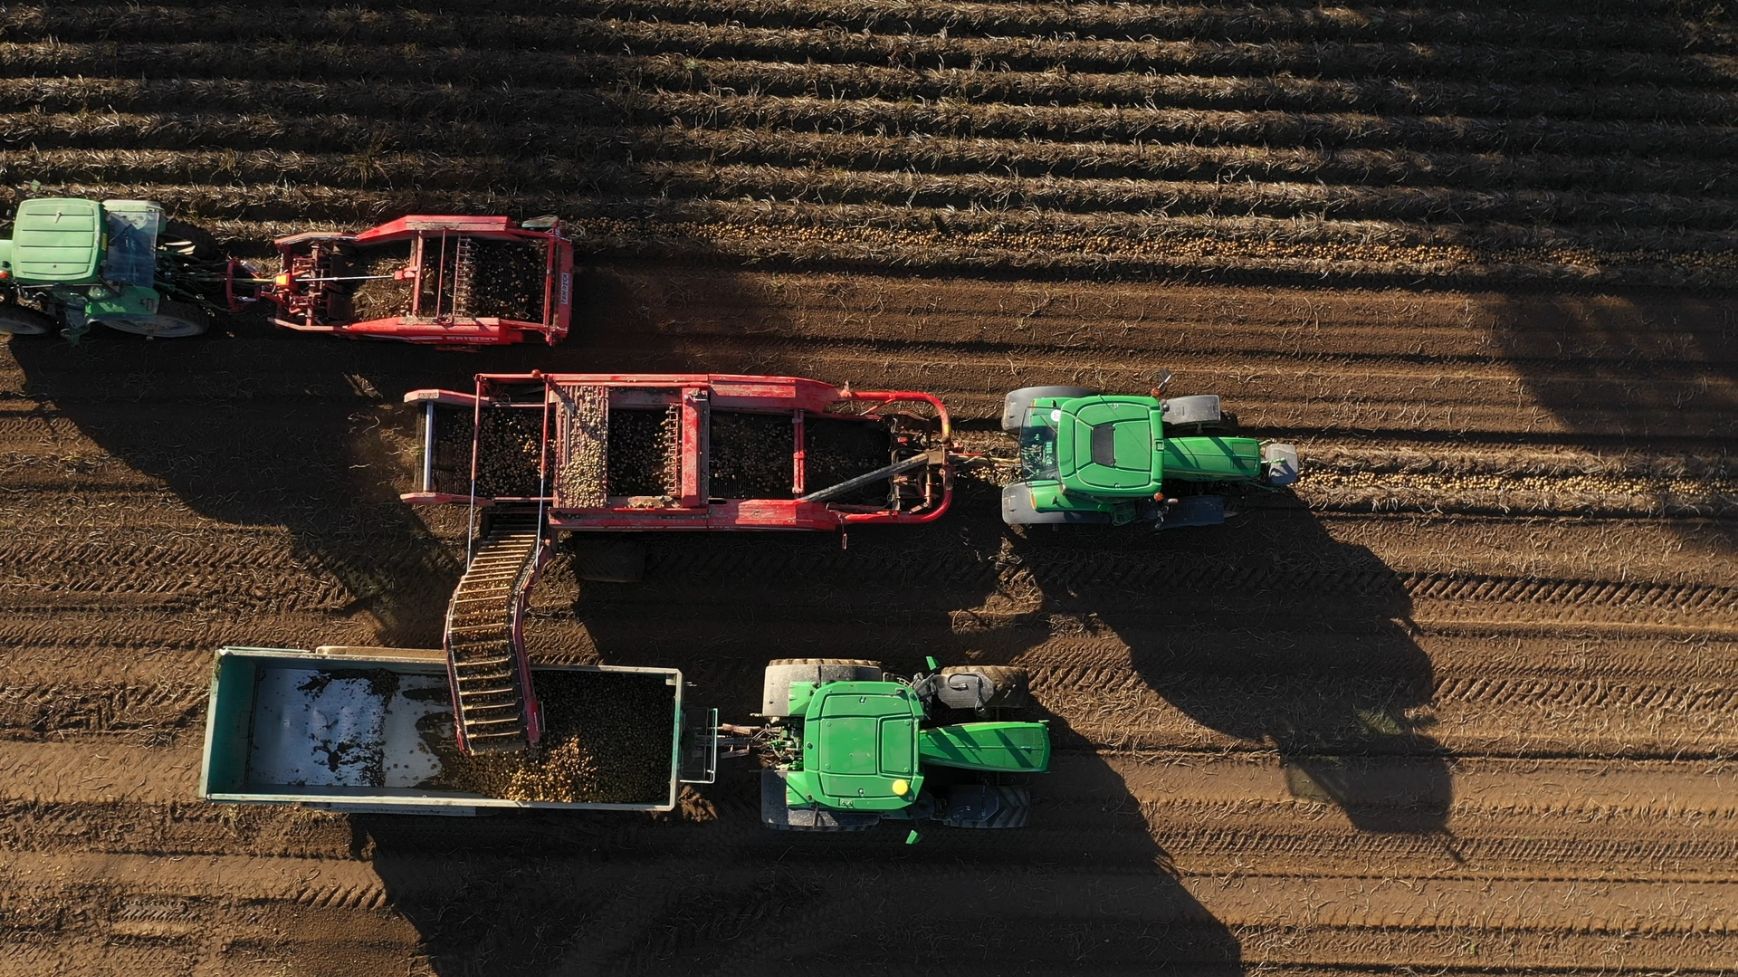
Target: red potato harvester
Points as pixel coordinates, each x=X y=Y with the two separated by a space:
x=438 y=280
x=535 y=453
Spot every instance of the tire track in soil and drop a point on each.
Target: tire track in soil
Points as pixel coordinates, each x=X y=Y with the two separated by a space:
x=1515 y=616
x=1542 y=924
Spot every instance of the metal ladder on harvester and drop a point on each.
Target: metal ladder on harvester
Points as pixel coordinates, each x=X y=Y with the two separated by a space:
x=494 y=709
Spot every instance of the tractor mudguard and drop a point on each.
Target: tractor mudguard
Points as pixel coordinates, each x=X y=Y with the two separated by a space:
x=1207 y=458
x=1002 y=747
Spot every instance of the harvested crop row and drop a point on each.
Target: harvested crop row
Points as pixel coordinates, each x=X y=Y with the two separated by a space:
x=1562 y=209
x=659 y=106
x=194 y=52
x=1573 y=27
x=592 y=145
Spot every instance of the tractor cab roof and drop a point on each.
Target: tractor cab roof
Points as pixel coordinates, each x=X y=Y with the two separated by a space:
x=1109 y=445
x=860 y=744
x=57 y=240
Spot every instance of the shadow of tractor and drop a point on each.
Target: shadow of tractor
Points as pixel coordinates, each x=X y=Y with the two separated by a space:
x=1273 y=635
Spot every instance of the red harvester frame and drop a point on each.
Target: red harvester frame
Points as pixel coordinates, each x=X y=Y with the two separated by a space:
x=920 y=477
x=310 y=301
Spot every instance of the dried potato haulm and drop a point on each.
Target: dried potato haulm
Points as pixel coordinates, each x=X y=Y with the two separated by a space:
x=380 y=298
x=607 y=739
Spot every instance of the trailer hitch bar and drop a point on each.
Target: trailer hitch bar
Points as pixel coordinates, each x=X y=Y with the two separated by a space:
x=934 y=456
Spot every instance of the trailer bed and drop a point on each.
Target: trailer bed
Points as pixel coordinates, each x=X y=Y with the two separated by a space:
x=371 y=730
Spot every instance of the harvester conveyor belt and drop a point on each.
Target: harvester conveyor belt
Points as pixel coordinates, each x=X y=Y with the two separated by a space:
x=486 y=664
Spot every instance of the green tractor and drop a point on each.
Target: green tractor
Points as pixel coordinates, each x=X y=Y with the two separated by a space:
x=73 y=262
x=1113 y=459
x=850 y=746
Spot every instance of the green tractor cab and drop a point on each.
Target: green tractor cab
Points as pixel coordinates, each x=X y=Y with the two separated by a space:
x=852 y=747
x=1111 y=459
x=72 y=262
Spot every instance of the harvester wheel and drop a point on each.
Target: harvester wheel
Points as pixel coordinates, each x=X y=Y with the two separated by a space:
x=608 y=560
x=782 y=673
x=1017 y=403
x=18 y=321
x=185 y=239
x=985 y=687
x=174 y=320
x=777 y=814
x=986 y=806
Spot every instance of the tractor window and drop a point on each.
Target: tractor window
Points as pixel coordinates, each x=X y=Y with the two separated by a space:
x=1038 y=445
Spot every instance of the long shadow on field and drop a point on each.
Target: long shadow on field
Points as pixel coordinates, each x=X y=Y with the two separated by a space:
x=266 y=430
x=626 y=894
x=1649 y=380
x=1272 y=633
x=260 y=427
x=1086 y=887
x=707 y=890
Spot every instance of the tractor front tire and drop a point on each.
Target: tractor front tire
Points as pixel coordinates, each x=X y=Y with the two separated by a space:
x=782 y=673
x=777 y=814
x=999 y=687
x=18 y=321
x=986 y=807
x=174 y=320
x=1017 y=403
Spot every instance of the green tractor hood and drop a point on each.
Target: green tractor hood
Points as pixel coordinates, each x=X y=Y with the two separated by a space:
x=1115 y=447
x=57 y=241
x=1108 y=445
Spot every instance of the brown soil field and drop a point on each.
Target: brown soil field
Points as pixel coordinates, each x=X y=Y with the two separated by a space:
x=1463 y=704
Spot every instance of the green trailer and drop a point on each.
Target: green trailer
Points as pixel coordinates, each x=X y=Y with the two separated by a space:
x=843 y=745
x=370 y=730
x=1088 y=458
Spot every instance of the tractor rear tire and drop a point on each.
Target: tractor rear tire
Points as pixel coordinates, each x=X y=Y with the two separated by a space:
x=18 y=321
x=782 y=673
x=777 y=814
x=1017 y=510
x=1009 y=685
x=174 y=320
x=987 y=807
x=1018 y=402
